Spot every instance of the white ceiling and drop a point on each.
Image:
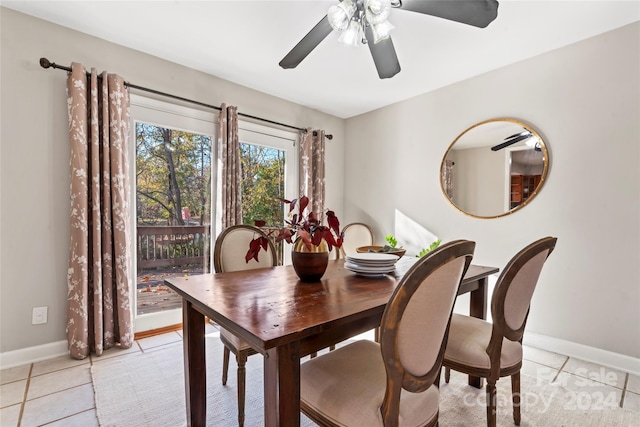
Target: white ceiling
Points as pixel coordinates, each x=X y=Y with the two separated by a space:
x=243 y=41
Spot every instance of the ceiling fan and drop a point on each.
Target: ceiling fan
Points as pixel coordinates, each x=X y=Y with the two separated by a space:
x=517 y=137
x=366 y=21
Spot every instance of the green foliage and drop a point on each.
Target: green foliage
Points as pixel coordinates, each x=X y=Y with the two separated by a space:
x=173 y=171
x=262 y=180
x=429 y=249
x=391 y=241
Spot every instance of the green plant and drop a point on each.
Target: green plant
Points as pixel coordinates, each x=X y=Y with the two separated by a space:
x=429 y=249
x=391 y=241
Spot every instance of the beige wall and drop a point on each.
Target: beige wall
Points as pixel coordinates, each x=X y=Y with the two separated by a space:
x=34 y=156
x=584 y=101
x=479 y=181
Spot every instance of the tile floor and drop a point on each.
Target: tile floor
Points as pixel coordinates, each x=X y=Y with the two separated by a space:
x=59 y=392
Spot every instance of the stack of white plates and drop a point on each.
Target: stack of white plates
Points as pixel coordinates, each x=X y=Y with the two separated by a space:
x=370 y=264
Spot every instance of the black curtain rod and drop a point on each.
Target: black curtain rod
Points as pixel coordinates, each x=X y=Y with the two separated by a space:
x=45 y=63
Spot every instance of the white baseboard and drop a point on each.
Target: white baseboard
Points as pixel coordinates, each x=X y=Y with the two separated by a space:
x=37 y=353
x=618 y=361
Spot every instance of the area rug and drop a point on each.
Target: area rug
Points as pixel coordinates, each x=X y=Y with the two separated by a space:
x=147 y=389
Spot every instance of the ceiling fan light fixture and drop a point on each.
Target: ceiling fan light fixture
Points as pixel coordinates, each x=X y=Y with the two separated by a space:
x=351 y=36
x=531 y=142
x=381 y=31
x=377 y=11
x=358 y=20
x=340 y=15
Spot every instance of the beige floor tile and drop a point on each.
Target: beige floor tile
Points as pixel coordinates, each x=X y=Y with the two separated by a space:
x=159 y=340
x=56 y=406
x=14 y=374
x=12 y=393
x=543 y=357
x=9 y=416
x=83 y=419
x=213 y=333
x=56 y=364
x=595 y=372
x=116 y=352
x=585 y=394
x=633 y=384
x=208 y=328
x=631 y=401
x=58 y=381
x=544 y=374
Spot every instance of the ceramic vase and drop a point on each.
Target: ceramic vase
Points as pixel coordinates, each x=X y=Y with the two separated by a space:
x=310 y=263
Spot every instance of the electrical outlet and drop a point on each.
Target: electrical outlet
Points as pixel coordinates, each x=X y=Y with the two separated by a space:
x=39 y=315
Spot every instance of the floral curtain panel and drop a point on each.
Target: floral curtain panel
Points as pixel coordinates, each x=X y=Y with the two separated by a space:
x=99 y=296
x=447 y=178
x=312 y=168
x=230 y=170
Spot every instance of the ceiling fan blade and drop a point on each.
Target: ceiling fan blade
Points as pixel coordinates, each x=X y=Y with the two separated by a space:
x=511 y=142
x=307 y=44
x=478 y=13
x=384 y=55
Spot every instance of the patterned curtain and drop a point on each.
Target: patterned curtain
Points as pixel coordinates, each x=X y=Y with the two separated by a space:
x=99 y=296
x=230 y=170
x=447 y=178
x=311 y=178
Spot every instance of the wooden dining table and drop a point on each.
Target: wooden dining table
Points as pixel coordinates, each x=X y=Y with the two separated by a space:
x=285 y=319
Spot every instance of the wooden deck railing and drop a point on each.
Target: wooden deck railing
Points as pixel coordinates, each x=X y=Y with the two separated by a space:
x=164 y=246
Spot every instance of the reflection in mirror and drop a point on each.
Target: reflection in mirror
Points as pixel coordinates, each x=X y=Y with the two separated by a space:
x=494 y=168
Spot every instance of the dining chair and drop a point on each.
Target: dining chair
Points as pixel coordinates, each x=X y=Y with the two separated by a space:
x=395 y=382
x=229 y=255
x=356 y=234
x=494 y=350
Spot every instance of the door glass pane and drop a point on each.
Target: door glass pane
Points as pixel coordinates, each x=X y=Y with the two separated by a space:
x=173 y=211
x=263 y=184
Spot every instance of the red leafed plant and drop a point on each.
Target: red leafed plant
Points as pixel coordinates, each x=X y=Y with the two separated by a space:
x=309 y=229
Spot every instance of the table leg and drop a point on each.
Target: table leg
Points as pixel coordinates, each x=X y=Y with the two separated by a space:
x=195 y=368
x=282 y=386
x=478 y=308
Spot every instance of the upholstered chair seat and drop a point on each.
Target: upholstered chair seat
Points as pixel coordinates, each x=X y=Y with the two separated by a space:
x=356 y=400
x=468 y=341
x=363 y=375
x=232 y=339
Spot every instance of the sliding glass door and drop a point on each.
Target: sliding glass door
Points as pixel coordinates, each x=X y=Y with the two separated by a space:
x=177 y=211
x=174 y=173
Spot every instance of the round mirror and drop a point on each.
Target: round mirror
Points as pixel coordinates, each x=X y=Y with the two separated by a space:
x=494 y=168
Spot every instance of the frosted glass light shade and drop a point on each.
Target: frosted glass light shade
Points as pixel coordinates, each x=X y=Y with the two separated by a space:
x=340 y=14
x=351 y=36
x=377 y=11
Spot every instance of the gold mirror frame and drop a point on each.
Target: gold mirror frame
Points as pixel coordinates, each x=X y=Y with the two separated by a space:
x=482 y=137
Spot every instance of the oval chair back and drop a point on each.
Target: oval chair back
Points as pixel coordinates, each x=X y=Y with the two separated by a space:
x=232 y=245
x=356 y=234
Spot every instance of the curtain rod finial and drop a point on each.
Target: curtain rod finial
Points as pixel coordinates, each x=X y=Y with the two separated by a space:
x=44 y=63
